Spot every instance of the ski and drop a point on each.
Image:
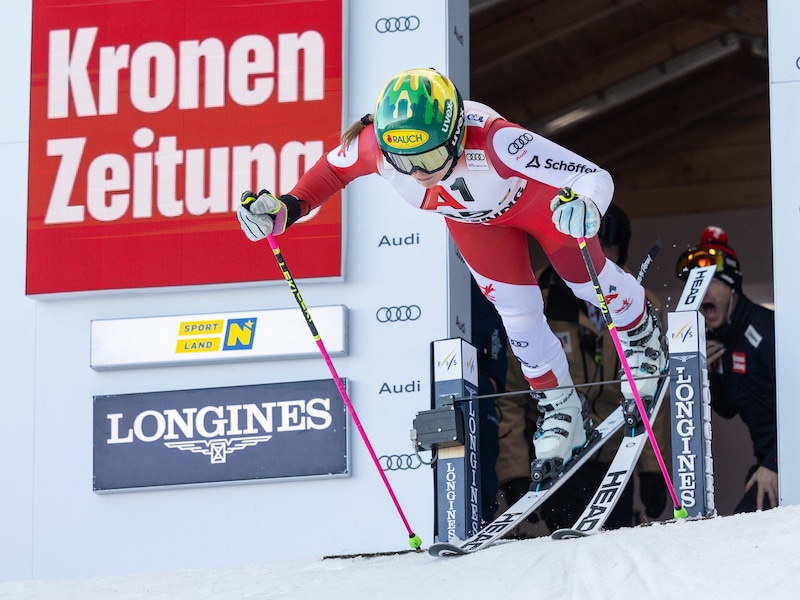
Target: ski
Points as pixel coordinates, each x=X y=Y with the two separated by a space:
x=537 y=495
x=616 y=478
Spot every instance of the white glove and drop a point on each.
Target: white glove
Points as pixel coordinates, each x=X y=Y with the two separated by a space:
x=575 y=215
x=261 y=215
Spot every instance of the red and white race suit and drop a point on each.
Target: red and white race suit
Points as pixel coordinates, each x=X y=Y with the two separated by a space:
x=500 y=191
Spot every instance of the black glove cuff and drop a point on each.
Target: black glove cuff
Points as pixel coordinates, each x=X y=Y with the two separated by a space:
x=294 y=208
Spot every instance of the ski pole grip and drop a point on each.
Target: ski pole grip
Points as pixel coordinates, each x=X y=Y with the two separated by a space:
x=565 y=195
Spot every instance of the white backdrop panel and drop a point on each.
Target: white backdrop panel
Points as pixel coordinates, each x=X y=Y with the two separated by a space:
x=54 y=526
x=784 y=59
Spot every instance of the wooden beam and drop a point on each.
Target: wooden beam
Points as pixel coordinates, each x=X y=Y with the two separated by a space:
x=663 y=114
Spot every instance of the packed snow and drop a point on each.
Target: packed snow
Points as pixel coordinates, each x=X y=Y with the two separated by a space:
x=736 y=557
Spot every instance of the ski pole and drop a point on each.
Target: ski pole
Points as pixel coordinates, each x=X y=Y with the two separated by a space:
x=566 y=195
x=458 y=400
x=413 y=539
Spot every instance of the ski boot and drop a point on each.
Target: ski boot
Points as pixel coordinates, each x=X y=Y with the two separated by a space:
x=561 y=431
x=646 y=353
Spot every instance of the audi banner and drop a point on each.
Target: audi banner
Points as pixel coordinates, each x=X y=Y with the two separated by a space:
x=214 y=435
x=144 y=132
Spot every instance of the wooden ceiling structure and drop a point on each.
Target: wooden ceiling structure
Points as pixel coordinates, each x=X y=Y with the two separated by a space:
x=670 y=96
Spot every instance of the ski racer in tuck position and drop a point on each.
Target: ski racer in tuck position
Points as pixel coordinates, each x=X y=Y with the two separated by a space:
x=494 y=182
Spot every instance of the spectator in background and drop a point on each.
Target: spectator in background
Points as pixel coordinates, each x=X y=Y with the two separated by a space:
x=740 y=354
x=592 y=358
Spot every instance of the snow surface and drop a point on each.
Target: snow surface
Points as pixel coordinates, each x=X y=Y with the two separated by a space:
x=737 y=557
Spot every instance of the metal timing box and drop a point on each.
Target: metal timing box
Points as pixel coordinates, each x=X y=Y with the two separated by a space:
x=440 y=427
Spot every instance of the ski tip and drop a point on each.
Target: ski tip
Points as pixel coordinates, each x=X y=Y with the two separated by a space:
x=414 y=541
x=567 y=534
x=445 y=549
x=680 y=513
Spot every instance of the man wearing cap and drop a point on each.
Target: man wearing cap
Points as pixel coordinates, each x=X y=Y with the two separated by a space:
x=740 y=356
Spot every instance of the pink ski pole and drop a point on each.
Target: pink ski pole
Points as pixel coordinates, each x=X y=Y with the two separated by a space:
x=413 y=539
x=566 y=195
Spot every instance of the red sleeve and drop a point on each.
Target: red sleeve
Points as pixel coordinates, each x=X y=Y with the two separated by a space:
x=335 y=170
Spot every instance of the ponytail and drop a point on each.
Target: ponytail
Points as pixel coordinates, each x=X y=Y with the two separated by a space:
x=351 y=133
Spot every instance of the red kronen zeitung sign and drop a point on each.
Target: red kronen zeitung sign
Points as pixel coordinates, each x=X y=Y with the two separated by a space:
x=148 y=121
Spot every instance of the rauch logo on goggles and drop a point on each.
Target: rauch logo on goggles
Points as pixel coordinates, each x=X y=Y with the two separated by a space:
x=405 y=138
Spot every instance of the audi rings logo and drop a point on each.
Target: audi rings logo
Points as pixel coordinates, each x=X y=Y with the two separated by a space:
x=392 y=314
x=395 y=24
x=400 y=462
x=519 y=143
x=472 y=155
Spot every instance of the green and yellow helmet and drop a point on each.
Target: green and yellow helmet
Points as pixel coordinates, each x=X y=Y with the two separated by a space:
x=419 y=121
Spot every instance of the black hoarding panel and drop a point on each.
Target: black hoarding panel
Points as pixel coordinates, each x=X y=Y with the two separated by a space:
x=215 y=435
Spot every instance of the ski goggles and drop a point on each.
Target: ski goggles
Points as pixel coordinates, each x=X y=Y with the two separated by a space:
x=700 y=258
x=428 y=162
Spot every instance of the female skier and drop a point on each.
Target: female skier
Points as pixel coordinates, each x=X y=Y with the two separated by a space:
x=494 y=182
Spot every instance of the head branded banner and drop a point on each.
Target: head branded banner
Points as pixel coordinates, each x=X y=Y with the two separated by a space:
x=216 y=435
x=144 y=133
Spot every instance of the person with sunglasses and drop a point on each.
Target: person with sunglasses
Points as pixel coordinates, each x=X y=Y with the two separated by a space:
x=494 y=182
x=740 y=355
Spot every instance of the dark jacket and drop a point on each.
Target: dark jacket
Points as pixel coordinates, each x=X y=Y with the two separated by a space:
x=746 y=383
x=489 y=338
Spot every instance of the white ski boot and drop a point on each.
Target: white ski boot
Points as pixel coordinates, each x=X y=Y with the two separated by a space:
x=646 y=353
x=564 y=424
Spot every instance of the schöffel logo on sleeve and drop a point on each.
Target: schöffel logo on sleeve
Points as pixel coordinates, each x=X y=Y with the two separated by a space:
x=216 y=334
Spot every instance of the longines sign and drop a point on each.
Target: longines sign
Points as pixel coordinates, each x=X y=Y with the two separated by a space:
x=220 y=337
x=218 y=435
